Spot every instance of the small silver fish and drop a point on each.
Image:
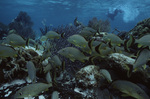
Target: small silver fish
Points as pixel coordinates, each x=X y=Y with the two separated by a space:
x=31 y=71
x=106 y=74
x=31 y=90
x=55 y=95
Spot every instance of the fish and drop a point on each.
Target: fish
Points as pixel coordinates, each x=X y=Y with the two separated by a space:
x=128 y=43
x=129 y=89
x=102 y=50
x=90 y=29
x=90 y=43
x=144 y=41
x=73 y=54
x=13 y=31
x=31 y=71
x=80 y=42
x=46 y=54
x=86 y=50
x=87 y=32
x=43 y=38
x=142 y=58
x=32 y=90
x=48 y=77
x=121 y=50
x=7 y=51
x=33 y=43
x=106 y=74
x=16 y=40
x=52 y=35
x=47 y=68
x=115 y=40
x=55 y=60
x=48 y=45
x=76 y=22
x=55 y=95
x=118 y=49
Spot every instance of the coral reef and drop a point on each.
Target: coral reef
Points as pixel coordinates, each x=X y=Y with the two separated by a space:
x=99 y=25
x=23 y=25
x=97 y=62
x=142 y=28
x=3 y=30
x=45 y=29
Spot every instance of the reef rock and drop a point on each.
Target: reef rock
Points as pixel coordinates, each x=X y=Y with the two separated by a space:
x=142 y=28
x=88 y=76
x=120 y=62
x=121 y=59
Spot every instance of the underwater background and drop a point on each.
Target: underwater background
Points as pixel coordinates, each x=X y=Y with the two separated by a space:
x=74 y=49
x=57 y=12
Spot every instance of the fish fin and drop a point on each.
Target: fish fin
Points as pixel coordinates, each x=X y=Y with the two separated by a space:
x=110 y=44
x=30 y=97
x=118 y=44
x=11 y=42
x=72 y=60
x=34 y=80
x=62 y=34
x=74 y=41
x=91 y=59
x=50 y=84
x=90 y=52
x=84 y=46
x=26 y=70
x=27 y=42
x=139 y=45
x=135 y=69
x=90 y=44
x=97 y=48
x=82 y=61
x=126 y=45
x=129 y=70
x=125 y=95
x=70 y=55
x=63 y=65
x=144 y=66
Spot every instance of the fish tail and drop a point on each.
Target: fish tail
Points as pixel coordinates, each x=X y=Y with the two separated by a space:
x=62 y=35
x=130 y=70
x=90 y=44
x=91 y=59
x=63 y=65
x=27 y=42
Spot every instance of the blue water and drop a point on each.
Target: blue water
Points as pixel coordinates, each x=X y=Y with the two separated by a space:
x=58 y=12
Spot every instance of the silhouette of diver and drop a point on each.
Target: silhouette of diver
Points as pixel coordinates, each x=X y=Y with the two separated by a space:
x=113 y=14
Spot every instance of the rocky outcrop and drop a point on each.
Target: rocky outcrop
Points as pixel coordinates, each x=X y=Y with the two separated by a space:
x=142 y=28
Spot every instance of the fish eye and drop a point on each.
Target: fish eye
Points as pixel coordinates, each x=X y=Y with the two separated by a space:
x=20 y=93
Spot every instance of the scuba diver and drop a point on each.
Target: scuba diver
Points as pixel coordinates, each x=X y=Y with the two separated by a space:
x=112 y=15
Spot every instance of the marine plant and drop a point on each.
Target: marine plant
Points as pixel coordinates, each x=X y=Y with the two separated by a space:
x=45 y=29
x=3 y=30
x=68 y=30
x=23 y=25
x=99 y=25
